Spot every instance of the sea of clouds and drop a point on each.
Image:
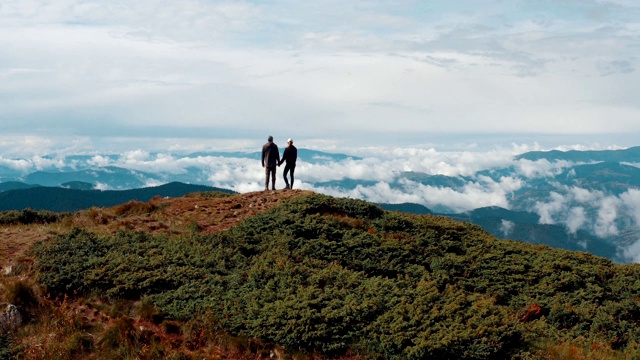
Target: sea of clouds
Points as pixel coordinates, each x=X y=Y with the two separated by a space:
x=377 y=175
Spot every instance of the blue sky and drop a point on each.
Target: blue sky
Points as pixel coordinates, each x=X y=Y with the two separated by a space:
x=194 y=74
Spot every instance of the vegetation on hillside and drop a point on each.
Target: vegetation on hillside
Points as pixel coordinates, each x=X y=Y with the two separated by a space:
x=29 y=216
x=334 y=277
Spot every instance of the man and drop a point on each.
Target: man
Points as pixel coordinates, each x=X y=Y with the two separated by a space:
x=290 y=155
x=270 y=158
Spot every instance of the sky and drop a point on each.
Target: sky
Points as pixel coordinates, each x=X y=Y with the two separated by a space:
x=89 y=75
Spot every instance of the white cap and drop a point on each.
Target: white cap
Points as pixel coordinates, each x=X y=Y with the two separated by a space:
x=289 y=140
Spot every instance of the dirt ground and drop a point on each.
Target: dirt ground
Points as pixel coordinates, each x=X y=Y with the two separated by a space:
x=194 y=212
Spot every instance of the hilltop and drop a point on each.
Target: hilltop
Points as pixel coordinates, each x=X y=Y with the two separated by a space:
x=206 y=212
x=294 y=274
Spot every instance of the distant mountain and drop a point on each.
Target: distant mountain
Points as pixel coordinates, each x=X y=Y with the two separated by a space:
x=9 y=174
x=60 y=199
x=418 y=177
x=525 y=226
x=521 y=217
x=15 y=185
x=615 y=177
x=114 y=177
x=521 y=226
x=623 y=155
x=407 y=208
x=315 y=156
x=346 y=183
x=433 y=180
x=78 y=185
x=307 y=155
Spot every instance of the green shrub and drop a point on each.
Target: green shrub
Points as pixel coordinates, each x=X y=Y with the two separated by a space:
x=6 y=351
x=29 y=216
x=449 y=324
x=66 y=261
x=342 y=276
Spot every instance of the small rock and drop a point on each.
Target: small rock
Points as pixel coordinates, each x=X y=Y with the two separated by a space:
x=10 y=318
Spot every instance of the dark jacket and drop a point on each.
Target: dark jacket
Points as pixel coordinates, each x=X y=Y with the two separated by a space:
x=290 y=155
x=270 y=155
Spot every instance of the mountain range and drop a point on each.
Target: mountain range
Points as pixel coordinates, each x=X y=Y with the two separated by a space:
x=585 y=200
x=61 y=199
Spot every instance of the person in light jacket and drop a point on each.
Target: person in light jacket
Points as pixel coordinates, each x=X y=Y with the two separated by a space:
x=289 y=156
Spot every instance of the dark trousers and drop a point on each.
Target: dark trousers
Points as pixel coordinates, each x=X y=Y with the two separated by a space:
x=270 y=171
x=289 y=168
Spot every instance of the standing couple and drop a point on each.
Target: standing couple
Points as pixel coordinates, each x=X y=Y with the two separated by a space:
x=271 y=158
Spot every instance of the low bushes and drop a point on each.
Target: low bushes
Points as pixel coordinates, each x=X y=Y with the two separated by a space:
x=29 y=216
x=342 y=276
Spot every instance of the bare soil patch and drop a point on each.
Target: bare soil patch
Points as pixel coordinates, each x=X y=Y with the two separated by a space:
x=194 y=212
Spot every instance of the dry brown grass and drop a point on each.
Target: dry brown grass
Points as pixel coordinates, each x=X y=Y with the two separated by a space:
x=195 y=212
x=566 y=351
x=15 y=241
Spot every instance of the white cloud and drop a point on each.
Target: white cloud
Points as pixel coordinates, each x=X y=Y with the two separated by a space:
x=381 y=192
x=100 y=161
x=547 y=211
x=585 y=196
x=568 y=205
x=576 y=219
x=21 y=165
x=607 y=213
x=507 y=227
x=631 y=199
x=101 y=186
x=540 y=168
x=471 y=197
x=632 y=252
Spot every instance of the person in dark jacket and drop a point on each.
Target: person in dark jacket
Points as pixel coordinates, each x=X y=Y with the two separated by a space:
x=289 y=156
x=270 y=158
